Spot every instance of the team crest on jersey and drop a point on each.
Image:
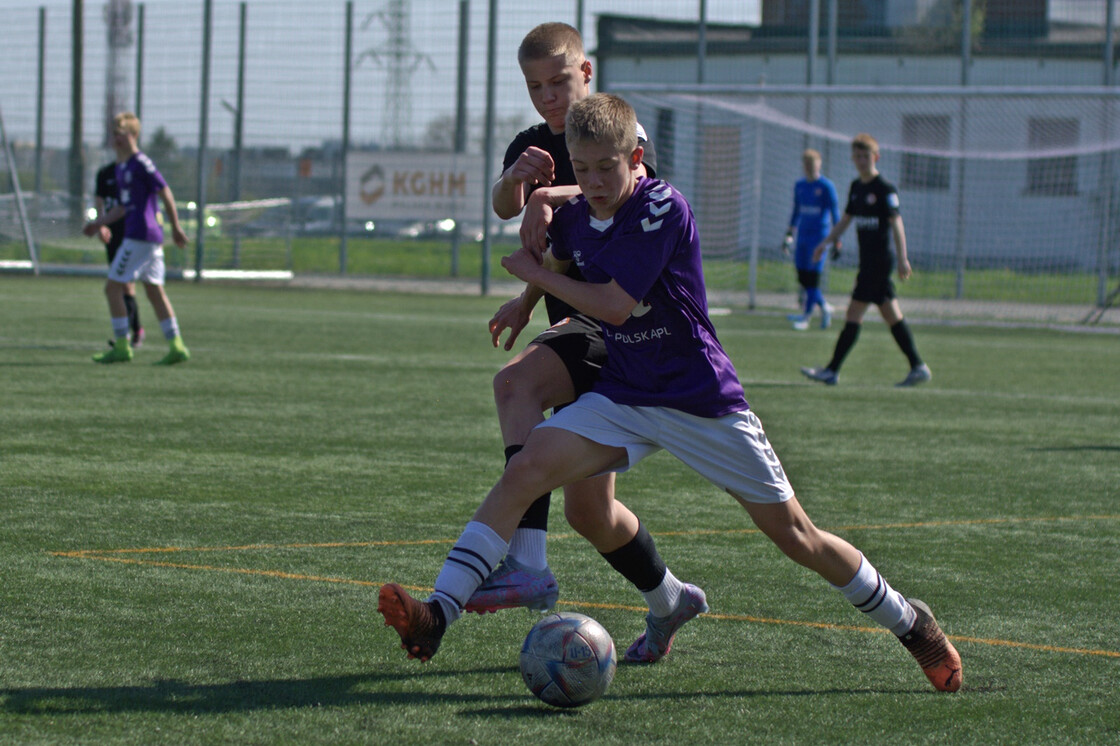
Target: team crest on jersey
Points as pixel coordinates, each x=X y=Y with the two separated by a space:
x=871 y=199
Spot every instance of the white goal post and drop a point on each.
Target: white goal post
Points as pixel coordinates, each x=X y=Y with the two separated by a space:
x=1015 y=179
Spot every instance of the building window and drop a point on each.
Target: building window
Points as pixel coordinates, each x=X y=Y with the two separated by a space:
x=925 y=132
x=1056 y=176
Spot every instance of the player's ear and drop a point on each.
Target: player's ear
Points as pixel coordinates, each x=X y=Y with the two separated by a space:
x=636 y=157
x=586 y=69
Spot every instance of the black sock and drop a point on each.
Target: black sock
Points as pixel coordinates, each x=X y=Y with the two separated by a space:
x=536 y=516
x=133 y=312
x=848 y=336
x=638 y=561
x=902 y=335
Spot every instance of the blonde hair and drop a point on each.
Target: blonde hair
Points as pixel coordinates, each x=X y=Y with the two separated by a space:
x=128 y=122
x=602 y=118
x=864 y=141
x=811 y=155
x=549 y=40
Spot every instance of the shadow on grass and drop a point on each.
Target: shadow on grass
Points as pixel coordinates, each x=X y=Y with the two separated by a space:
x=235 y=696
x=331 y=691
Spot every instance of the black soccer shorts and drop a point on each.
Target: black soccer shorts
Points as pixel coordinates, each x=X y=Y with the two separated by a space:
x=578 y=340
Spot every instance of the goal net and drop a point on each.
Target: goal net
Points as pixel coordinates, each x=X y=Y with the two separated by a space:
x=1007 y=193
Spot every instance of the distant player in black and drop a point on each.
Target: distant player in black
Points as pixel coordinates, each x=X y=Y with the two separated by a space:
x=873 y=204
x=106 y=197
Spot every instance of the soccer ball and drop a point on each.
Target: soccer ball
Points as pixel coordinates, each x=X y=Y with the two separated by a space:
x=568 y=659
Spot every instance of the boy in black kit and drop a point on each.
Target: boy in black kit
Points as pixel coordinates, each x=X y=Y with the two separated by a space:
x=873 y=203
x=107 y=196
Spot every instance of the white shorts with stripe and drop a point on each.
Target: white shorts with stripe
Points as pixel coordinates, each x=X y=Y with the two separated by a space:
x=731 y=451
x=138 y=260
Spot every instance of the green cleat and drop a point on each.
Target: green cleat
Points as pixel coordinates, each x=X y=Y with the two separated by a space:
x=178 y=353
x=121 y=352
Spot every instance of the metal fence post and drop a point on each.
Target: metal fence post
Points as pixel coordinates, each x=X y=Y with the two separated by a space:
x=203 y=134
x=488 y=148
x=348 y=64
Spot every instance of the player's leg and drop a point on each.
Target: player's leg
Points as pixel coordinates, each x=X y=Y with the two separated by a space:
x=900 y=330
x=734 y=453
x=133 y=314
x=121 y=352
x=152 y=276
x=562 y=362
x=551 y=457
x=847 y=570
x=848 y=335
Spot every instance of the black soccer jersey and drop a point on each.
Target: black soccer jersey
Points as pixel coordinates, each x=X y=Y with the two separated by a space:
x=106 y=189
x=542 y=137
x=872 y=204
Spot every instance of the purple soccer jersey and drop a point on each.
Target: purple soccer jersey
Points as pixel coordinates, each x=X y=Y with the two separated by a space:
x=140 y=182
x=667 y=353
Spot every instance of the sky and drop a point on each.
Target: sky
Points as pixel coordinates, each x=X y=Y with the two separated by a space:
x=294 y=68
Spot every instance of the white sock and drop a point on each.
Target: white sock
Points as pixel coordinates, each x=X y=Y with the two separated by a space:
x=474 y=556
x=664 y=598
x=528 y=547
x=120 y=326
x=170 y=328
x=872 y=595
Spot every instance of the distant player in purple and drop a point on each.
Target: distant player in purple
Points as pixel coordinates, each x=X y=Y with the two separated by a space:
x=668 y=384
x=141 y=188
x=815 y=211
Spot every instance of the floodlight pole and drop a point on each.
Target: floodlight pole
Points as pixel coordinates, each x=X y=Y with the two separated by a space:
x=488 y=149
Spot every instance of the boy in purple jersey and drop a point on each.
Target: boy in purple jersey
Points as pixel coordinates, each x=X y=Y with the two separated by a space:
x=563 y=361
x=668 y=384
x=140 y=185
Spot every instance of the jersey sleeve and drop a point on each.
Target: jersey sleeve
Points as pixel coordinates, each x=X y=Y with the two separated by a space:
x=514 y=151
x=891 y=201
x=558 y=242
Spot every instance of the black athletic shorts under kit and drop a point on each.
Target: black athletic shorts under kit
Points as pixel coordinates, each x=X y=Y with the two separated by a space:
x=578 y=340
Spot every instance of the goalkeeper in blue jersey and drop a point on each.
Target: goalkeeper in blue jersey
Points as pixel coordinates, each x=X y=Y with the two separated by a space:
x=815 y=211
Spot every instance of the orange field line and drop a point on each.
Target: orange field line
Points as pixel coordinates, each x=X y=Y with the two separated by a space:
x=582 y=604
x=79 y=553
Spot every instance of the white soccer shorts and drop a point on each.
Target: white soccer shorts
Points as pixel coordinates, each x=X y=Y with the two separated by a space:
x=138 y=260
x=731 y=451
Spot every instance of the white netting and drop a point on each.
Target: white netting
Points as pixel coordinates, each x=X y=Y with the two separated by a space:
x=992 y=180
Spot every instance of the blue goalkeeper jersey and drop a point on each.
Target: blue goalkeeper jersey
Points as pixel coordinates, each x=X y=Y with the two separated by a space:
x=815 y=211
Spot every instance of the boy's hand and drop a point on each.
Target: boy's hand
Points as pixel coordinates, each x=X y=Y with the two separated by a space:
x=819 y=252
x=91 y=229
x=523 y=265
x=836 y=246
x=904 y=270
x=513 y=316
x=178 y=236
x=534 y=166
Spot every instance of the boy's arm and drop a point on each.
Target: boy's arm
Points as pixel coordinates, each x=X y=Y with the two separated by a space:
x=534 y=166
x=93 y=227
x=835 y=233
x=899 y=233
x=606 y=301
x=515 y=314
x=169 y=209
